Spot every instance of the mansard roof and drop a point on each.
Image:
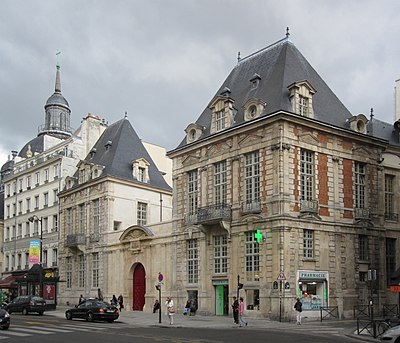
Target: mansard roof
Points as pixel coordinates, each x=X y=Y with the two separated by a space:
x=117 y=148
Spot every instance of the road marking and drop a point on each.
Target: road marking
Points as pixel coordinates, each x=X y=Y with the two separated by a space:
x=54 y=329
x=75 y=328
x=19 y=334
x=37 y=330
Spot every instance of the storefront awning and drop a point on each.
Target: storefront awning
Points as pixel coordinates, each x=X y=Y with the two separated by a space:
x=8 y=282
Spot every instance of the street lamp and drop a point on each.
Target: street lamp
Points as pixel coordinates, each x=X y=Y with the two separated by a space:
x=32 y=219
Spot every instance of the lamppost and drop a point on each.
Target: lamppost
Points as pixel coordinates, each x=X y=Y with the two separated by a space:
x=32 y=219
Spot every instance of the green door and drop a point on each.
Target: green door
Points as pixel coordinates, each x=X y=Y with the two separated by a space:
x=219 y=300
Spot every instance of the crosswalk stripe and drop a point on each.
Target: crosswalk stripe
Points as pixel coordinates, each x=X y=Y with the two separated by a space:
x=2 y=337
x=19 y=334
x=75 y=328
x=37 y=330
x=92 y=327
x=55 y=330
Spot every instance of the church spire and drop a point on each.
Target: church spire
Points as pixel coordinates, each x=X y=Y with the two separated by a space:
x=58 y=80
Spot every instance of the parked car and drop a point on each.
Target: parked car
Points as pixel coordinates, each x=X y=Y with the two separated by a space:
x=4 y=319
x=391 y=335
x=27 y=304
x=93 y=309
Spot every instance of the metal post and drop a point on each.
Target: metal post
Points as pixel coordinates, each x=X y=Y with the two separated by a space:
x=280 y=300
x=238 y=282
x=159 y=300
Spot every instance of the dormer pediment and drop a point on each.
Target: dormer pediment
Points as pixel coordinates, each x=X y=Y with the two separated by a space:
x=358 y=123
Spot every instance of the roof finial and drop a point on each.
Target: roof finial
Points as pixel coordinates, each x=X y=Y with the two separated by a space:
x=238 y=57
x=372 y=112
x=58 y=81
x=287 y=33
x=126 y=114
x=58 y=53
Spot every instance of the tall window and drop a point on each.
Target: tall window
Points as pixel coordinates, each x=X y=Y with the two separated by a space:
x=69 y=220
x=55 y=196
x=46 y=199
x=308 y=243
x=95 y=269
x=46 y=175
x=36 y=202
x=81 y=271
x=192 y=192
x=363 y=247
x=220 y=254
x=56 y=170
x=55 y=257
x=390 y=258
x=55 y=222
x=28 y=182
x=81 y=218
x=142 y=213
x=220 y=185
x=220 y=120
x=359 y=175
x=252 y=177
x=307 y=175
x=96 y=216
x=303 y=105
x=252 y=257
x=68 y=274
x=389 y=196
x=28 y=204
x=141 y=174
x=37 y=178
x=193 y=261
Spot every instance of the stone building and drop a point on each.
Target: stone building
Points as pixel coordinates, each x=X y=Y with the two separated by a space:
x=280 y=192
x=111 y=208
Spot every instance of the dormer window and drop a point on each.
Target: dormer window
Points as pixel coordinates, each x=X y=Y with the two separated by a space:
x=253 y=109
x=255 y=80
x=193 y=132
x=301 y=95
x=222 y=113
x=140 y=170
x=220 y=120
x=358 y=123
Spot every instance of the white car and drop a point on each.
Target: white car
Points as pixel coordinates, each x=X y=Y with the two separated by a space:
x=391 y=335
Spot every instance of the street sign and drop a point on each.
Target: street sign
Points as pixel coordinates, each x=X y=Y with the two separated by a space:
x=160 y=277
x=258 y=236
x=281 y=277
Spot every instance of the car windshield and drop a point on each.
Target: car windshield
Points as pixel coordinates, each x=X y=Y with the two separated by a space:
x=37 y=299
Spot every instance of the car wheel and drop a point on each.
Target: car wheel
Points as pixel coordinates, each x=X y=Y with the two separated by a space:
x=397 y=340
x=5 y=327
x=68 y=315
x=110 y=320
x=90 y=317
x=40 y=313
x=24 y=311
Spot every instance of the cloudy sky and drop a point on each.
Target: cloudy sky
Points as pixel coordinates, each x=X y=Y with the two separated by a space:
x=161 y=61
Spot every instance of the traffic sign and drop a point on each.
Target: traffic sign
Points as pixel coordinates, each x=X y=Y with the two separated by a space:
x=258 y=236
x=281 y=277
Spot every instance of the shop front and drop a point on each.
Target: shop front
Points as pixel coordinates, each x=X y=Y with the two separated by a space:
x=312 y=289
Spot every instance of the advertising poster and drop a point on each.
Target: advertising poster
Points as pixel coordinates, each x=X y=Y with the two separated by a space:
x=34 y=252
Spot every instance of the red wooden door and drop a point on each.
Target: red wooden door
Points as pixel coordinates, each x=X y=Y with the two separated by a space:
x=139 y=287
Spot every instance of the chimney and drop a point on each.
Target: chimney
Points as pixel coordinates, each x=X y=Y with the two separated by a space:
x=397 y=101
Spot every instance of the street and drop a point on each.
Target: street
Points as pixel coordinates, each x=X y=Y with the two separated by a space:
x=47 y=328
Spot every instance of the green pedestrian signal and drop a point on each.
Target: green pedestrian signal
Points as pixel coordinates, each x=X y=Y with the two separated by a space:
x=258 y=236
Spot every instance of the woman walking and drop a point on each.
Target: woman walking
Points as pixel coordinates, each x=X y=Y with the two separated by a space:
x=170 y=310
x=242 y=322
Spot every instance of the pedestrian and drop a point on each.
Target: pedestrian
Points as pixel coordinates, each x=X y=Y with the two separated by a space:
x=156 y=306
x=100 y=294
x=242 y=322
x=121 y=302
x=193 y=307
x=170 y=310
x=186 y=310
x=235 y=310
x=81 y=298
x=298 y=306
x=114 y=300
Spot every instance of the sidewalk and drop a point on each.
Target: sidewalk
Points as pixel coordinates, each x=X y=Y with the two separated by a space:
x=145 y=319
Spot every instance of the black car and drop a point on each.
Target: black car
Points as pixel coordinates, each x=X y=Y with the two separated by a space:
x=93 y=309
x=4 y=319
x=27 y=304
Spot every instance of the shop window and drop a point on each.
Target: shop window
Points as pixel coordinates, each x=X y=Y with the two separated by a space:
x=253 y=299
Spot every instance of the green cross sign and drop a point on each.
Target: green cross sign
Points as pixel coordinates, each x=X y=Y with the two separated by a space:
x=258 y=236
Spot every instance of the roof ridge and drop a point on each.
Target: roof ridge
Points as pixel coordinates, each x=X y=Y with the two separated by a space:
x=286 y=39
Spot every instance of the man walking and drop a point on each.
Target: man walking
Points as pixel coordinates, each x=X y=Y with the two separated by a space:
x=235 y=310
x=298 y=307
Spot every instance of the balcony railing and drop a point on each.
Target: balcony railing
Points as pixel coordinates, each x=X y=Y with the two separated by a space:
x=361 y=213
x=251 y=206
x=394 y=217
x=75 y=240
x=309 y=206
x=214 y=213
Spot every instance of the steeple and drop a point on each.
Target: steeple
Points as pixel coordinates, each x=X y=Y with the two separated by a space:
x=57 y=116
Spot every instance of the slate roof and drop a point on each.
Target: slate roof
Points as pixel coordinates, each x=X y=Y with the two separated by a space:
x=36 y=144
x=279 y=65
x=125 y=147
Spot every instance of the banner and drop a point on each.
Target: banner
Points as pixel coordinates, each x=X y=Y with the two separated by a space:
x=34 y=252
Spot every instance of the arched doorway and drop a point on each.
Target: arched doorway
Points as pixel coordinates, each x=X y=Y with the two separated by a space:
x=139 y=287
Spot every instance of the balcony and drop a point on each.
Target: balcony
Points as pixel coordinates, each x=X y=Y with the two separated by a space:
x=94 y=237
x=309 y=206
x=214 y=214
x=361 y=213
x=251 y=206
x=392 y=217
x=75 y=240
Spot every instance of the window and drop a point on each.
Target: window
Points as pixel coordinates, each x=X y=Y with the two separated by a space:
x=44 y=258
x=21 y=183
x=363 y=247
x=96 y=216
x=303 y=105
x=141 y=213
x=7 y=237
x=55 y=196
x=56 y=170
x=36 y=228
x=389 y=197
x=27 y=260
x=359 y=185
x=46 y=175
x=68 y=274
x=37 y=178
x=95 y=269
x=20 y=207
x=55 y=257
x=14 y=232
x=252 y=177
x=220 y=186
x=193 y=261
x=8 y=190
x=14 y=211
x=220 y=254
x=19 y=261
x=81 y=271
x=141 y=174
x=252 y=254
x=46 y=199
x=8 y=211
x=45 y=224
x=55 y=222
x=28 y=182
x=36 y=202
x=390 y=258
x=19 y=231
x=69 y=220
x=363 y=276
x=27 y=229
x=28 y=204
x=81 y=208
x=192 y=192
x=220 y=120
x=307 y=175
x=308 y=243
